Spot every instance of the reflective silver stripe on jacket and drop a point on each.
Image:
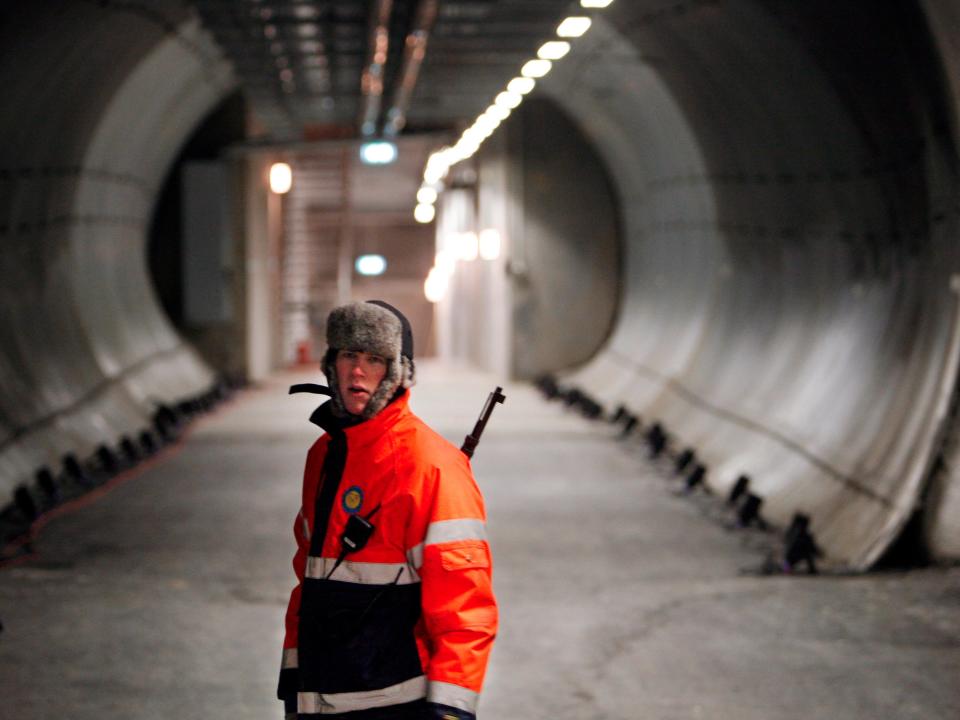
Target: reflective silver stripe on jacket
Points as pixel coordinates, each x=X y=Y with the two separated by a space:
x=289 y=659
x=453 y=695
x=444 y=531
x=309 y=703
x=363 y=573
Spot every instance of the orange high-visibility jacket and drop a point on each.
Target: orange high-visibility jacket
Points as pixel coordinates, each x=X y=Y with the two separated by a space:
x=412 y=614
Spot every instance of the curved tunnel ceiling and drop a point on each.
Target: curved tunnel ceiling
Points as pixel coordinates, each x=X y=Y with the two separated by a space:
x=788 y=190
x=787 y=177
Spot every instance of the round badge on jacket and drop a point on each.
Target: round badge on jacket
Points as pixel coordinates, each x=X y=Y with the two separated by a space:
x=353 y=499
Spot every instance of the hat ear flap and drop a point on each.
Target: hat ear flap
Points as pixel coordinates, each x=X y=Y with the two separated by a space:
x=329 y=367
x=408 y=372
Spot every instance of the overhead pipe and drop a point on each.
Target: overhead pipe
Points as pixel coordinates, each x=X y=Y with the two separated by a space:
x=371 y=82
x=414 y=51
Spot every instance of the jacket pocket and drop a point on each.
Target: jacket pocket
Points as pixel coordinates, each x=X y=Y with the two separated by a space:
x=464 y=554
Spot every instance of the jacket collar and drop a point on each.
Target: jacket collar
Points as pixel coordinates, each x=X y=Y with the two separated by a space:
x=362 y=432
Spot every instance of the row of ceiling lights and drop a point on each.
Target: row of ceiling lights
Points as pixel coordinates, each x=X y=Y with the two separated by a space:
x=314 y=62
x=440 y=162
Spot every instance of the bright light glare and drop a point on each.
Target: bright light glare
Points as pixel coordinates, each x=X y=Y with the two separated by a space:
x=574 y=27
x=536 y=68
x=435 y=286
x=508 y=99
x=281 y=178
x=434 y=173
x=466 y=246
x=379 y=152
x=371 y=264
x=490 y=244
x=521 y=85
x=426 y=195
x=595 y=3
x=497 y=112
x=466 y=148
x=445 y=262
x=553 y=50
x=437 y=165
x=486 y=123
x=424 y=213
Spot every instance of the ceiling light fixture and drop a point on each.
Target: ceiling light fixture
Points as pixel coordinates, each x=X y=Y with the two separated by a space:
x=378 y=152
x=424 y=213
x=553 y=50
x=508 y=99
x=536 y=68
x=426 y=195
x=574 y=27
x=521 y=85
x=371 y=265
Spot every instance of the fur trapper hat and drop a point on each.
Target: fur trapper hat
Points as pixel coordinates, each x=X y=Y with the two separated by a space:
x=377 y=328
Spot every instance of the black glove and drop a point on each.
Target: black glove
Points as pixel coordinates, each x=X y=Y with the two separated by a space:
x=435 y=711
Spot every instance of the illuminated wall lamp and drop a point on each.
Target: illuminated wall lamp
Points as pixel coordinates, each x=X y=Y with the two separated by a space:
x=281 y=178
x=371 y=265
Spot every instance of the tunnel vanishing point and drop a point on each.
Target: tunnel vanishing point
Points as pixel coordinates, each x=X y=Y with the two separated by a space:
x=738 y=218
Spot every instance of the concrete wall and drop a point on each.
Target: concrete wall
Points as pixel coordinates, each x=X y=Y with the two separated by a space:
x=98 y=100
x=788 y=181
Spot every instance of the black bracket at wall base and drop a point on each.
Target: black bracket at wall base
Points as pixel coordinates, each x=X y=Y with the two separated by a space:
x=799 y=546
x=547 y=384
x=30 y=501
x=148 y=443
x=739 y=488
x=48 y=486
x=656 y=440
x=131 y=453
x=749 y=512
x=696 y=478
x=619 y=414
x=684 y=459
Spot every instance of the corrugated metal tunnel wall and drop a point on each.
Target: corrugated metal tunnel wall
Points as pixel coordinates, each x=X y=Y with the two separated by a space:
x=788 y=177
x=98 y=98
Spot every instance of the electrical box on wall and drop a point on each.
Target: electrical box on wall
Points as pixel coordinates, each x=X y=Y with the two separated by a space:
x=207 y=254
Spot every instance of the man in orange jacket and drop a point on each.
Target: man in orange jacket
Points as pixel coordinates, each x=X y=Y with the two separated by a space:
x=393 y=616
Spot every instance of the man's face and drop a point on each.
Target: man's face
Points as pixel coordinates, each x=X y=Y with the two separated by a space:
x=358 y=375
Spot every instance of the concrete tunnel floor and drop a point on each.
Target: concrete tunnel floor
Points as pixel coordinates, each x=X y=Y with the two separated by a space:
x=619 y=599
